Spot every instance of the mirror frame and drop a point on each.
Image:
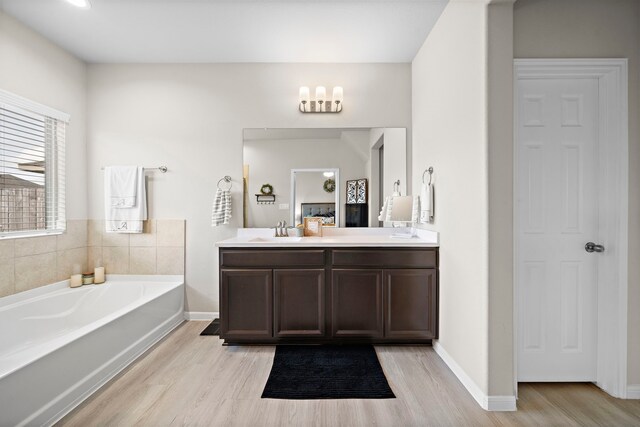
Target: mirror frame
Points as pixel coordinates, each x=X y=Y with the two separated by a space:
x=336 y=177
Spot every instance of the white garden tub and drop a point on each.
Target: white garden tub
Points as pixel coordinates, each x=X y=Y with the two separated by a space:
x=58 y=345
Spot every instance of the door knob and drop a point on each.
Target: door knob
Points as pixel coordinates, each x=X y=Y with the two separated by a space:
x=592 y=247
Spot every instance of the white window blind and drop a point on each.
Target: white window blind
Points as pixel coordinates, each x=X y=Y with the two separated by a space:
x=32 y=162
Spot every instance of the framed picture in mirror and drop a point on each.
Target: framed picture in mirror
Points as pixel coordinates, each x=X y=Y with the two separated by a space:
x=312 y=227
x=357 y=191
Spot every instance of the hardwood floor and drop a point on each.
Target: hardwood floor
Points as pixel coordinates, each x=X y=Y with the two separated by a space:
x=191 y=380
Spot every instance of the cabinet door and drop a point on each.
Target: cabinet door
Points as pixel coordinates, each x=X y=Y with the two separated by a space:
x=411 y=303
x=246 y=309
x=299 y=303
x=356 y=303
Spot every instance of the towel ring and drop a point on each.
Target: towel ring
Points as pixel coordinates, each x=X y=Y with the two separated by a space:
x=430 y=170
x=226 y=179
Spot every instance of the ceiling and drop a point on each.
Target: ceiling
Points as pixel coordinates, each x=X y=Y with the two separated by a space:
x=186 y=31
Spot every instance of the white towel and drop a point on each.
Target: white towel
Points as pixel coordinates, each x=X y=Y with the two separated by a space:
x=385 y=212
x=126 y=220
x=221 y=208
x=415 y=210
x=122 y=185
x=426 y=204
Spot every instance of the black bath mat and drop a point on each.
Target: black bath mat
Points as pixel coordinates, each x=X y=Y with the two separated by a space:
x=326 y=372
x=212 y=329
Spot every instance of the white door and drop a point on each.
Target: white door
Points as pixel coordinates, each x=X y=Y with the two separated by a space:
x=557 y=214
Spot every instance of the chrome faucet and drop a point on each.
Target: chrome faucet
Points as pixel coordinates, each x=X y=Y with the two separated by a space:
x=281 y=229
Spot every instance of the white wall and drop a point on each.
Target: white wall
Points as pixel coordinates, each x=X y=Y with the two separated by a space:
x=462 y=109
x=191 y=117
x=596 y=29
x=450 y=134
x=33 y=67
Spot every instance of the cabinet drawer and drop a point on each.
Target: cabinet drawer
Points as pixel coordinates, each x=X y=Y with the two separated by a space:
x=401 y=258
x=272 y=258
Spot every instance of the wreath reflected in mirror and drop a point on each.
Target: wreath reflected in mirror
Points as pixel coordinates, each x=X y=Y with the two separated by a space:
x=266 y=189
x=329 y=186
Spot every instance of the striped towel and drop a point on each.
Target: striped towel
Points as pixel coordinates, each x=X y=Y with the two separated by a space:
x=221 y=208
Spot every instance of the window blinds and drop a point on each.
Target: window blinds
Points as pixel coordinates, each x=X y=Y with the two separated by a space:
x=32 y=163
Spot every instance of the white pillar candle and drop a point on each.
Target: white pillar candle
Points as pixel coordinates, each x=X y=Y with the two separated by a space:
x=75 y=281
x=98 y=275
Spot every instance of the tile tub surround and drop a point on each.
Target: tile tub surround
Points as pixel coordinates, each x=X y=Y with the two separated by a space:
x=31 y=262
x=28 y=263
x=158 y=250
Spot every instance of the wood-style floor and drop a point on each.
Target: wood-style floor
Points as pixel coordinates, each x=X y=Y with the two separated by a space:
x=191 y=380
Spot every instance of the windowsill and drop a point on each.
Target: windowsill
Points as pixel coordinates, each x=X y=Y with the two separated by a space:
x=25 y=234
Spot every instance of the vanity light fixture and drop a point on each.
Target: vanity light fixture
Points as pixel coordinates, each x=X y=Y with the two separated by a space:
x=82 y=4
x=321 y=104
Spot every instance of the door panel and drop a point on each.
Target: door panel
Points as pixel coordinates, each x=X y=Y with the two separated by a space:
x=356 y=306
x=410 y=303
x=247 y=304
x=299 y=303
x=557 y=213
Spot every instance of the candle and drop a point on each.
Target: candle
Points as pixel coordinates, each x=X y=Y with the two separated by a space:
x=75 y=281
x=98 y=275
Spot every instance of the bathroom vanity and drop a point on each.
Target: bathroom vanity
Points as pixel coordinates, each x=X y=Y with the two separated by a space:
x=349 y=286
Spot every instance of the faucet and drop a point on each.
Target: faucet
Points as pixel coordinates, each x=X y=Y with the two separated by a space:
x=281 y=229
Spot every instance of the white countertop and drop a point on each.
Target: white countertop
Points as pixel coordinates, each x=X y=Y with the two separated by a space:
x=333 y=237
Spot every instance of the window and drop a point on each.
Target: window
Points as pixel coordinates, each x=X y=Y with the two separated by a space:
x=31 y=167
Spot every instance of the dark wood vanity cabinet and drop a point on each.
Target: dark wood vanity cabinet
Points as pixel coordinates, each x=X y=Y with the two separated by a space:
x=299 y=309
x=406 y=292
x=356 y=302
x=246 y=299
x=329 y=295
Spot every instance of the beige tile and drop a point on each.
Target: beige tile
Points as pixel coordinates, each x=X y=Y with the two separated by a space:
x=170 y=260
x=35 y=245
x=142 y=260
x=75 y=236
x=95 y=229
x=115 y=239
x=115 y=260
x=71 y=261
x=170 y=232
x=7 y=278
x=35 y=270
x=94 y=257
x=7 y=249
x=148 y=237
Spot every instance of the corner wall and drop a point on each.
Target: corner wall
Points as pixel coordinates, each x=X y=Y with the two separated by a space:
x=450 y=134
x=33 y=67
x=461 y=88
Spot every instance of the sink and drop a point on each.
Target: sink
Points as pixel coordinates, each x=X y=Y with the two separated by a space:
x=275 y=239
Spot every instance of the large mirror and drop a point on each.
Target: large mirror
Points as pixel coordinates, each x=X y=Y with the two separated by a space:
x=342 y=175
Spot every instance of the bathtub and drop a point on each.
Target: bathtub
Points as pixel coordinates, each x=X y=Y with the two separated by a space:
x=58 y=345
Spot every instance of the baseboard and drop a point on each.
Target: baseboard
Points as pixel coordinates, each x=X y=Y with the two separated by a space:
x=633 y=391
x=488 y=403
x=201 y=315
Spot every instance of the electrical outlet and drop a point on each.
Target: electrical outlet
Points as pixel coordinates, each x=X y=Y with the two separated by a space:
x=283 y=206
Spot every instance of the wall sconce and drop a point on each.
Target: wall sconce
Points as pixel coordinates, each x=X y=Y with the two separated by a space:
x=321 y=104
